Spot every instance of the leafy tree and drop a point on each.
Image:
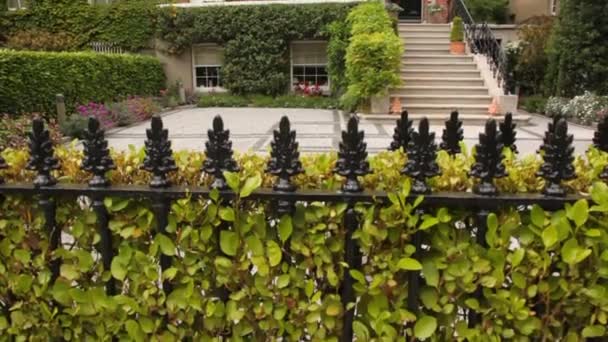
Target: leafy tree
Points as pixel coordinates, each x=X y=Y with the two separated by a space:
x=578 y=49
x=492 y=11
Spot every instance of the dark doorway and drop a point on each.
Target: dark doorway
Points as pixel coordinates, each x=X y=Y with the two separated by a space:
x=412 y=10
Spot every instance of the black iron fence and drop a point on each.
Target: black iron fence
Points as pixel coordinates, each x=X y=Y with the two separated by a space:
x=284 y=163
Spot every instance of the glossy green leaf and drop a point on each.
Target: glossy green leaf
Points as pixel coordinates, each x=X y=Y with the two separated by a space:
x=250 y=185
x=425 y=327
x=229 y=242
x=285 y=228
x=409 y=264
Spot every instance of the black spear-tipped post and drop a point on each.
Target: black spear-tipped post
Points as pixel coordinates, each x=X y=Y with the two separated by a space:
x=97 y=161
x=600 y=138
x=284 y=162
x=3 y=166
x=159 y=156
x=452 y=135
x=403 y=133
x=549 y=132
x=352 y=157
x=352 y=163
x=558 y=160
x=97 y=158
x=159 y=161
x=42 y=159
x=218 y=153
x=488 y=161
x=508 y=133
x=421 y=164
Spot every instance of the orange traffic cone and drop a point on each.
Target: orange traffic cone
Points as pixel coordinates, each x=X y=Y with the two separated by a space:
x=494 y=110
x=395 y=106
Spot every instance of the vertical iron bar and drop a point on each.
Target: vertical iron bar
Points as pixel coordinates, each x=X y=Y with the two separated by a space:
x=352 y=256
x=105 y=243
x=161 y=208
x=480 y=237
x=413 y=277
x=50 y=225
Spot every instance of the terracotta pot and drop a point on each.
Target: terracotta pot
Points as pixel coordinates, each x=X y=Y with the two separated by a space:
x=457 y=48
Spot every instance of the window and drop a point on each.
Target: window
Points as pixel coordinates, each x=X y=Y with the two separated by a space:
x=309 y=65
x=554 y=7
x=208 y=60
x=14 y=5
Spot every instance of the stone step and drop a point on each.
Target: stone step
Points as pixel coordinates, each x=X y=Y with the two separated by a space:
x=439 y=90
x=428 y=46
x=424 y=28
x=434 y=109
x=432 y=65
x=438 y=119
x=413 y=41
x=446 y=100
x=424 y=34
x=425 y=51
x=438 y=59
x=441 y=73
x=443 y=81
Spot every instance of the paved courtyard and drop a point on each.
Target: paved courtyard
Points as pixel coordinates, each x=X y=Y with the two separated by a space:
x=317 y=130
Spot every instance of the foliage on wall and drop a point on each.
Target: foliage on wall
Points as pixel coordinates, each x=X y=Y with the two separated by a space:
x=30 y=80
x=129 y=23
x=578 y=49
x=255 y=38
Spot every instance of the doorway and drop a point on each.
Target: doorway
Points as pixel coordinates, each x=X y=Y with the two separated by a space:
x=412 y=10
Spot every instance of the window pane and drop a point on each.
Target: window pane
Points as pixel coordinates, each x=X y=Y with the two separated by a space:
x=298 y=70
x=322 y=70
x=322 y=80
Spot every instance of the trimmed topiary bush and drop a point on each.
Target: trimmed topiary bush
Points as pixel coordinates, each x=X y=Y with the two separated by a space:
x=457 y=33
x=30 y=80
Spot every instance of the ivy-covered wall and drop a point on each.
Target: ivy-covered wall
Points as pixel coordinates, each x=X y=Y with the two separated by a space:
x=255 y=38
x=128 y=23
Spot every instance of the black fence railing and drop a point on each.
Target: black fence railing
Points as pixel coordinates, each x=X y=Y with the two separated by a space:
x=481 y=40
x=284 y=163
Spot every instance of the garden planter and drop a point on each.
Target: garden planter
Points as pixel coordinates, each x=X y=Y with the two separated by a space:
x=457 y=48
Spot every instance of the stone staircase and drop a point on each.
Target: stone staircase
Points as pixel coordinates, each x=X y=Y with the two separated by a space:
x=436 y=82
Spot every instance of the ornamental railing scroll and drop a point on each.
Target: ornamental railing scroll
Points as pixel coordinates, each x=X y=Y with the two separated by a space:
x=481 y=40
x=284 y=163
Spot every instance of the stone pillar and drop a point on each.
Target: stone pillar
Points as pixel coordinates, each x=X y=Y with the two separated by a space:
x=60 y=103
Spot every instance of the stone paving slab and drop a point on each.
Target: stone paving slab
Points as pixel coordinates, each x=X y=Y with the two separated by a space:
x=317 y=130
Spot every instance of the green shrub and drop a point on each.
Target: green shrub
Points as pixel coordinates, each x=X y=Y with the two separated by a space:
x=30 y=80
x=578 y=49
x=283 y=101
x=339 y=31
x=38 y=40
x=491 y=11
x=373 y=55
x=14 y=130
x=457 y=33
x=534 y=104
x=256 y=59
x=284 y=273
x=74 y=126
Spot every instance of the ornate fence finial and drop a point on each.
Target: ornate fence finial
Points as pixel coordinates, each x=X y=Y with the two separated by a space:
x=403 y=133
x=452 y=135
x=352 y=157
x=508 y=133
x=600 y=138
x=421 y=164
x=42 y=158
x=488 y=161
x=558 y=160
x=284 y=157
x=159 y=156
x=3 y=166
x=218 y=152
x=549 y=133
x=97 y=158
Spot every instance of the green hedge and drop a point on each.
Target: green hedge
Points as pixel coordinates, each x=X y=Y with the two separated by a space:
x=373 y=55
x=128 y=23
x=556 y=274
x=256 y=38
x=30 y=80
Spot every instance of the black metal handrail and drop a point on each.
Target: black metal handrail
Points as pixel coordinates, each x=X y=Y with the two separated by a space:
x=284 y=163
x=481 y=40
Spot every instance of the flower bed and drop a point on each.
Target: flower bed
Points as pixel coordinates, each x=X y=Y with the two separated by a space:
x=585 y=109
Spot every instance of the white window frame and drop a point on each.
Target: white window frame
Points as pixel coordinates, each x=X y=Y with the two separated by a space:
x=194 y=66
x=554 y=7
x=20 y=5
x=326 y=88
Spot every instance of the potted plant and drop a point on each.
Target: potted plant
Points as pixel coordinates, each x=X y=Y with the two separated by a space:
x=457 y=46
